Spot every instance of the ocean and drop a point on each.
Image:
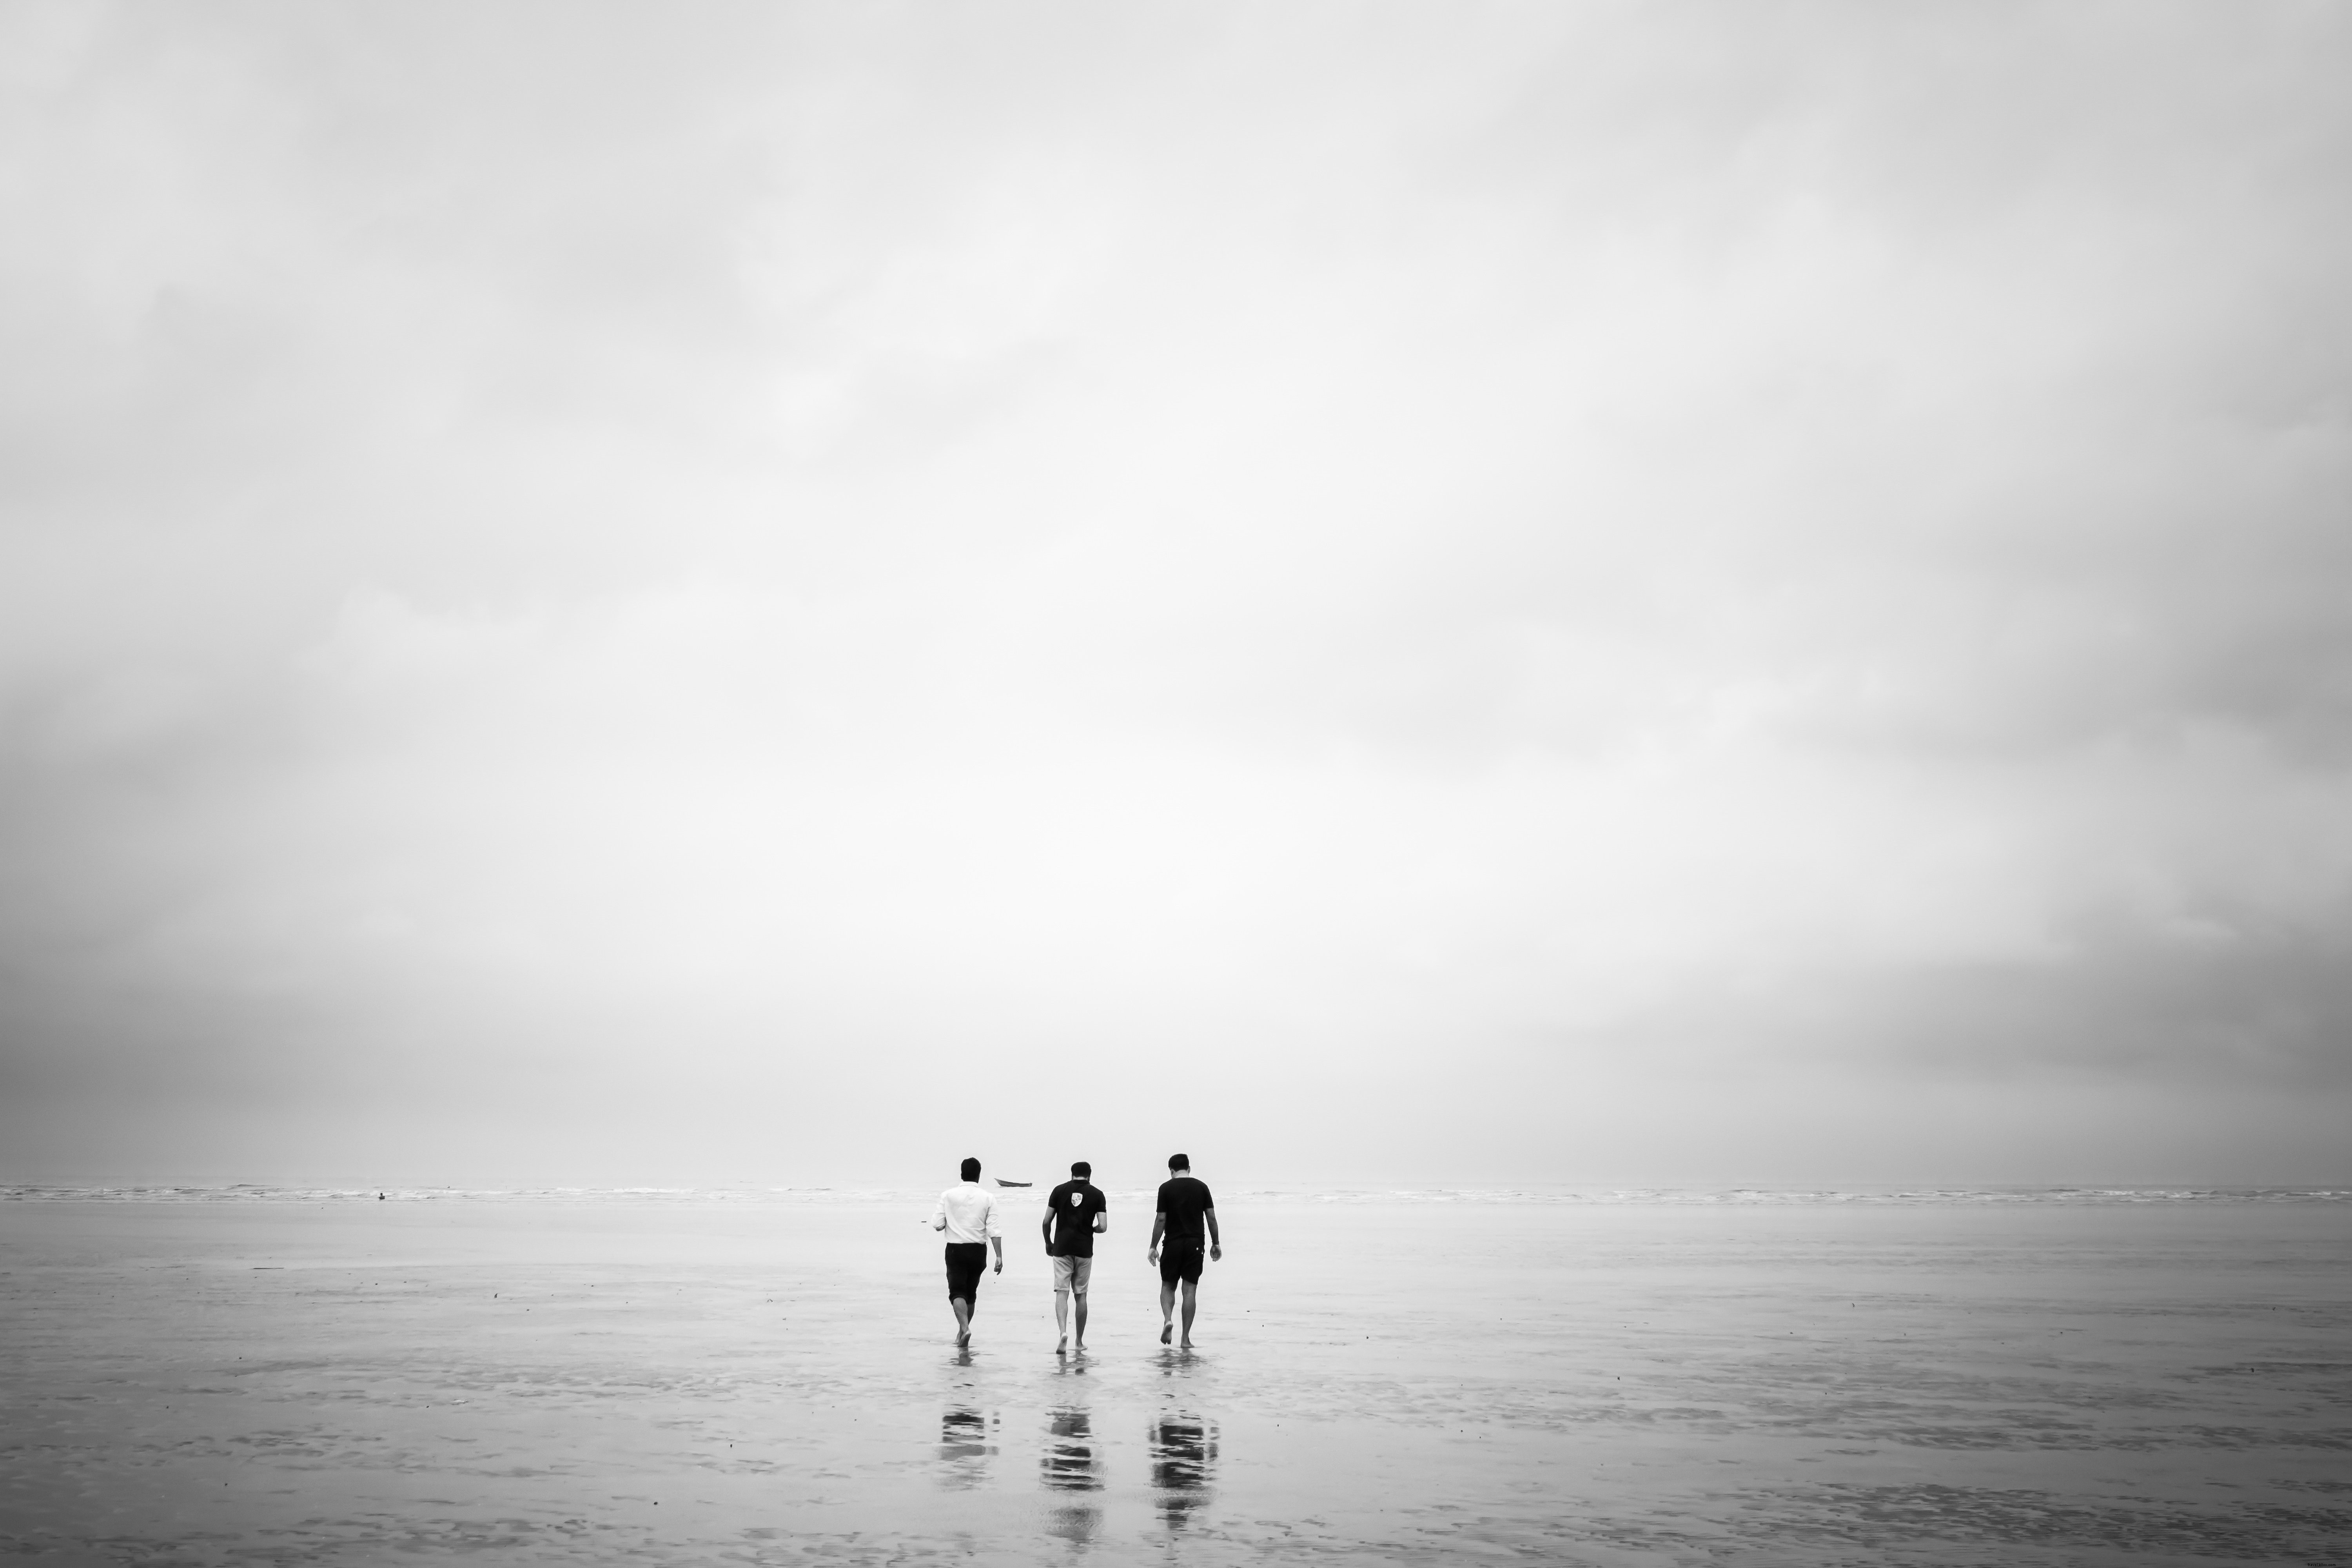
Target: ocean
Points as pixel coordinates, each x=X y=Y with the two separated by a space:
x=2128 y=1376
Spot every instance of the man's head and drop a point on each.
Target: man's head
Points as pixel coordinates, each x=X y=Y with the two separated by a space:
x=971 y=1170
x=1081 y=1170
x=1179 y=1164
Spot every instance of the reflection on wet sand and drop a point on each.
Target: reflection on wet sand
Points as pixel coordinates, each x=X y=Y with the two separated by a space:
x=1184 y=1450
x=1072 y=1465
x=964 y=1448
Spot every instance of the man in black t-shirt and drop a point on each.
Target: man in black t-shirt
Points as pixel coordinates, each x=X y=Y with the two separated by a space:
x=1075 y=1214
x=1184 y=1208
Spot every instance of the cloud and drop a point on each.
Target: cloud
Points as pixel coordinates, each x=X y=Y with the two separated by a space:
x=1631 y=555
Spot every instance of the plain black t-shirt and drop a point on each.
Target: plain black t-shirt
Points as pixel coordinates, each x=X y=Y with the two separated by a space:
x=1184 y=1199
x=1074 y=1205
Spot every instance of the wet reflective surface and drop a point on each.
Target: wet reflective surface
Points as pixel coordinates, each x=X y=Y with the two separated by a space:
x=1183 y=1457
x=1072 y=1463
x=1795 y=1387
x=964 y=1448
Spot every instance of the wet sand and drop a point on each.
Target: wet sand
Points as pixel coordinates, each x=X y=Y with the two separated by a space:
x=774 y=1382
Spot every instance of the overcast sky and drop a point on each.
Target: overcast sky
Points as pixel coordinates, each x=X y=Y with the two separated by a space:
x=1469 y=592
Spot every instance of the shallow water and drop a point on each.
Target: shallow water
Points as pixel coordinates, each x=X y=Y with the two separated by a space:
x=687 y=1380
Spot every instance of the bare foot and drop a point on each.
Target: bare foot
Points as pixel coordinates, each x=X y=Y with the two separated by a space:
x=964 y=1338
x=1186 y=1346
x=1062 y=1344
x=1165 y=1330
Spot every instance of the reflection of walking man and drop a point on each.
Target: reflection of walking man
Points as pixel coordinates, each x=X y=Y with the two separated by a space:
x=1183 y=1453
x=967 y=1211
x=1076 y=1213
x=1184 y=1207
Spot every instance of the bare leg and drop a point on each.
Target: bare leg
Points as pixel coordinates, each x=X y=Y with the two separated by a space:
x=1082 y=1322
x=963 y=1319
x=1192 y=1288
x=1062 y=1319
x=1167 y=1311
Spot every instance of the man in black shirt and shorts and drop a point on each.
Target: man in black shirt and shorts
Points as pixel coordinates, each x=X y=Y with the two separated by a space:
x=1075 y=1214
x=1184 y=1207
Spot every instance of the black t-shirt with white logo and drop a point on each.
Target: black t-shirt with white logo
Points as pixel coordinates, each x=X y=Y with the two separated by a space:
x=1074 y=1206
x=1184 y=1199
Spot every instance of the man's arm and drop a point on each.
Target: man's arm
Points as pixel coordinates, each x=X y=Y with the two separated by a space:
x=1046 y=1230
x=1158 y=1225
x=1216 y=1247
x=998 y=1242
x=939 y=1213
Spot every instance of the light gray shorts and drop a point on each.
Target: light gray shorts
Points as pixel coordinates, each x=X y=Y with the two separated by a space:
x=1072 y=1274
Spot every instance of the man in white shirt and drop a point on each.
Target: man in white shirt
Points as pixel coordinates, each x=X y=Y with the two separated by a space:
x=967 y=1211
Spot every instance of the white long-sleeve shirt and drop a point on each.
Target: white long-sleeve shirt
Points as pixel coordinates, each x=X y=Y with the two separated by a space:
x=967 y=1211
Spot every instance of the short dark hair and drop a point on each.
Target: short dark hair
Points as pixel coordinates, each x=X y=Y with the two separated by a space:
x=971 y=1170
x=1180 y=1162
x=1080 y=1168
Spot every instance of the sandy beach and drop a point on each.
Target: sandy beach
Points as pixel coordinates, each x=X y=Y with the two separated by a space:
x=668 y=1380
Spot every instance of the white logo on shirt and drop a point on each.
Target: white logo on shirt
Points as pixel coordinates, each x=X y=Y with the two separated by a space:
x=1078 y=1199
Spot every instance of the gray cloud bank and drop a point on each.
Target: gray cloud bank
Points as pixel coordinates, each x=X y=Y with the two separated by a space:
x=1649 y=592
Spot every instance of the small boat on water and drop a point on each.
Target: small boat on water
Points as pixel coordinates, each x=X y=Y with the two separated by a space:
x=1003 y=1183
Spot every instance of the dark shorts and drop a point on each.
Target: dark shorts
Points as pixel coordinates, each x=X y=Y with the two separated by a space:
x=967 y=1261
x=1180 y=1260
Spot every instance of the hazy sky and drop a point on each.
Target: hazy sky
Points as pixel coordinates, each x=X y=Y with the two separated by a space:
x=1605 y=592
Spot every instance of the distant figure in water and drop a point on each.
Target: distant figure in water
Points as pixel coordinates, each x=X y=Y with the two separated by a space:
x=1075 y=1214
x=1184 y=1207
x=967 y=1211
